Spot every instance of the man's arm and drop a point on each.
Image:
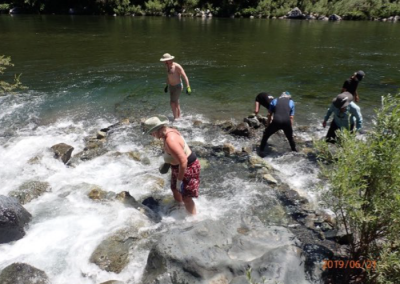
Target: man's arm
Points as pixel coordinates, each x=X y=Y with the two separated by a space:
x=328 y=114
x=183 y=74
x=257 y=108
x=356 y=112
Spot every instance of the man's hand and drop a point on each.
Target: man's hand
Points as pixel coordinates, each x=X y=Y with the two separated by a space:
x=166 y=89
x=324 y=124
x=188 y=90
x=179 y=186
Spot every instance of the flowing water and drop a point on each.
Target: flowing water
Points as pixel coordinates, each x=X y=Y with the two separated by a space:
x=86 y=73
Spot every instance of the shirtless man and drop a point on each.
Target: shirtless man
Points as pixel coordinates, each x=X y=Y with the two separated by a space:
x=174 y=82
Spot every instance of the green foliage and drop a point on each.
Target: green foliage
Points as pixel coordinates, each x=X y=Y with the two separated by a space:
x=4 y=86
x=352 y=9
x=364 y=178
x=4 y=7
x=154 y=7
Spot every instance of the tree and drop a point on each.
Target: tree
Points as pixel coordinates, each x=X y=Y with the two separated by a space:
x=364 y=179
x=4 y=86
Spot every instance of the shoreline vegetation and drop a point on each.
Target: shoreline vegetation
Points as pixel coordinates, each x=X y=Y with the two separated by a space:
x=379 y=10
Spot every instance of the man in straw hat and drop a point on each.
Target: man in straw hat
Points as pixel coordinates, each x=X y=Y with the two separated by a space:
x=345 y=111
x=174 y=82
x=185 y=167
x=351 y=84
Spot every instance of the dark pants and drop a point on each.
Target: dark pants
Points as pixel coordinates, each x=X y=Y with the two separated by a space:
x=274 y=127
x=331 y=135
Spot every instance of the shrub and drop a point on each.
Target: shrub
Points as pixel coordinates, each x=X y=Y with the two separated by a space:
x=364 y=178
x=4 y=86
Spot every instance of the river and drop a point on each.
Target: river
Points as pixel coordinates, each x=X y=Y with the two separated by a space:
x=84 y=73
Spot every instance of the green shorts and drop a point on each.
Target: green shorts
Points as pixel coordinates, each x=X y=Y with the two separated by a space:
x=175 y=92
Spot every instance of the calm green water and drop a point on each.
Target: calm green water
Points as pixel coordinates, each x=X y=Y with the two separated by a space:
x=85 y=65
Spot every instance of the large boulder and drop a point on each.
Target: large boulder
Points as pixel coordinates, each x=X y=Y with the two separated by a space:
x=212 y=251
x=30 y=190
x=13 y=218
x=22 y=273
x=296 y=13
x=335 y=17
x=62 y=151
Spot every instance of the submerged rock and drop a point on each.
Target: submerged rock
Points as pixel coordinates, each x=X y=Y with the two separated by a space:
x=22 y=273
x=30 y=190
x=112 y=254
x=13 y=218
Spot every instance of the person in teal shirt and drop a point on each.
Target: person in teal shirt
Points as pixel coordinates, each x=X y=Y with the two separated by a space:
x=345 y=114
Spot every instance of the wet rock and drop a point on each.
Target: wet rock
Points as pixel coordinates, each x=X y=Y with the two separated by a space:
x=62 y=151
x=270 y=179
x=30 y=190
x=96 y=193
x=240 y=280
x=226 y=125
x=228 y=149
x=112 y=254
x=197 y=123
x=224 y=250
x=35 y=160
x=22 y=273
x=153 y=183
x=13 y=218
x=130 y=201
x=204 y=164
x=252 y=122
x=315 y=254
x=242 y=129
x=258 y=162
x=135 y=155
x=101 y=135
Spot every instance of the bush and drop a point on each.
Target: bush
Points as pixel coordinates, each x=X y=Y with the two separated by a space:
x=364 y=179
x=154 y=8
x=4 y=86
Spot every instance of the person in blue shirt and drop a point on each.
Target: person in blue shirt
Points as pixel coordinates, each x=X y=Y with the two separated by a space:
x=345 y=114
x=281 y=112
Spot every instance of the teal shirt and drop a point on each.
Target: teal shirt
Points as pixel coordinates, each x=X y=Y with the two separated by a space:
x=345 y=119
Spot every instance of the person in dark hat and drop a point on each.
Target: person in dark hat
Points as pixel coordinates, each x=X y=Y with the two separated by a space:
x=345 y=111
x=351 y=84
x=263 y=99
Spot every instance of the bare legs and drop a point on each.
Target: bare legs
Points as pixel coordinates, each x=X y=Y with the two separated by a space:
x=176 y=109
x=188 y=201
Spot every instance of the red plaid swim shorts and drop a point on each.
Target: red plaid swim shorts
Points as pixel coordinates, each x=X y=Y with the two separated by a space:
x=191 y=179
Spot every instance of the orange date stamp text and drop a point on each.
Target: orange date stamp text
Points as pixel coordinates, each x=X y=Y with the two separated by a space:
x=345 y=264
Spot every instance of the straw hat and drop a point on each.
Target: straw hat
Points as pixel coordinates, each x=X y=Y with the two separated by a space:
x=153 y=123
x=167 y=57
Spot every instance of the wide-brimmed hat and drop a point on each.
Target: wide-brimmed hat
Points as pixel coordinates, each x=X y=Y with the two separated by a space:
x=153 y=123
x=342 y=100
x=166 y=57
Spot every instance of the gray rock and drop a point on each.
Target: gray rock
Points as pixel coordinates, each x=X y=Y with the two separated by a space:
x=113 y=282
x=252 y=121
x=295 y=14
x=22 y=273
x=130 y=201
x=112 y=254
x=242 y=129
x=335 y=17
x=62 y=151
x=30 y=190
x=13 y=218
x=212 y=251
